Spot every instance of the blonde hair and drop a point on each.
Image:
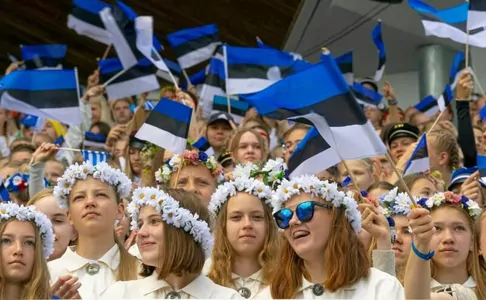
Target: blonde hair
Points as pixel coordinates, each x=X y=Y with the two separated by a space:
x=179 y=251
x=235 y=140
x=48 y=191
x=223 y=253
x=445 y=142
x=37 y=287
x=104 y=109
x=345 y=257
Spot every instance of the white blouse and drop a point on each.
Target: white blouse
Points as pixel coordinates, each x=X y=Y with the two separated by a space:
x=465 y=291
x=378 y=285
x=103 y=270
x=152 y=288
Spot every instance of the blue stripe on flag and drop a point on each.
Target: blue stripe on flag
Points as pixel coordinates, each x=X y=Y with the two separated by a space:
x=426 y=103
x=4 y=195
x=457 y=65
x=453 y=15
x=174 y=67
x=30 y=52
x=258 y=56
x=183 y=36
x=378 y=40
x=93 y=6
x=94 y=137
x=174 y=109
x=346 y=58
x=482 y=113
x=39 y=80
x=113 y=65
x=201 y=144
x=59 y=141
x=481 y=160
x=419 y=153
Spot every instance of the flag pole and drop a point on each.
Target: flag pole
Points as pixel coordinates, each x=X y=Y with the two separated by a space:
x=400 y=179
x=187 y=77
x=114 y=77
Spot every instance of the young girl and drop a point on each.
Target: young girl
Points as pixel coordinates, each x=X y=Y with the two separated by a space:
x=245 y=235
x=321 y=254
x=199 y=173
x=363 y=172
x=174 y=239
x=247 y=145
x=444 y=232
x=45 y=203
x=26 y=239
x=92 y=195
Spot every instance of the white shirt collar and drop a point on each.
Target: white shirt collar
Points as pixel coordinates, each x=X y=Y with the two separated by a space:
x=470 y=283
x=199 y=288
x=257 y=276
x=73 y=261
x=307 y=284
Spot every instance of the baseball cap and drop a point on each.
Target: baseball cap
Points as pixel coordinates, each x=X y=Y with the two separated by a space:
x=220 y=116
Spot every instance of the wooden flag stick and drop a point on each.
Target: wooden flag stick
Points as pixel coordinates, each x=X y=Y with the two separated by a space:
x=400 y=178
x=107 y=51
x=70 y=149
x=114 y=77
x=353 y=180
x=177 y=177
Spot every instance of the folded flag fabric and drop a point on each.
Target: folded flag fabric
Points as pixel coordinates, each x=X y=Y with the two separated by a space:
x=195 y=79
x=32 y=121
x=174 y=68
x=312 y=155
x=4 y=192
x=167 y=126
x=446 y=98
x=380 y=45
x=450 y=23
x=253 y=69
x=203 y=145
x=144 y=42
x=194 y=45
x=321 y=95
x=261 y=44
x=85 y=20
x=59 y=141
x=458 y=64
x=428 y=106
x=345 y=63
x=482 y=113
x=238 y=108
x=419 y=161
x=214 y=85
x=365 y=96
x=43 y=56
x=50 y=94
x=476 y=17
x=95 y=157
x=148 y=105
x=94 y=140
x=138 y=79
x=481 y=160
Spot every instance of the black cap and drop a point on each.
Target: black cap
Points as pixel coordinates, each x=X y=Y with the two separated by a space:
x=136 y=143
x=402 y=130
x=220 y=116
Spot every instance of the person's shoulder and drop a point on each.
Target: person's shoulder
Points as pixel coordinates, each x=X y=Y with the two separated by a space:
x=384 y=284
x=218 y=291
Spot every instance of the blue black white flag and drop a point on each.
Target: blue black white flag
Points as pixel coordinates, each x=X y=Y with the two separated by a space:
x=419 y=161
x=95 y=157
x=377 y=37
x=85 y=20
x=43 y=56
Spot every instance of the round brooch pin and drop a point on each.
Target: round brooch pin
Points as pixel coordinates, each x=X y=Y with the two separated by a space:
x=92 y=268
x=173 y=295
x=244 y=292
x=317 y=289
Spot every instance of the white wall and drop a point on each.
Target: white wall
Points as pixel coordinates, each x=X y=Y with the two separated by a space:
x=406 y=86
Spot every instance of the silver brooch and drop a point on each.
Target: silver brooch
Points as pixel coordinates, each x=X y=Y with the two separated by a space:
x=317 y=289
x=244 y=292
x=92 y=268
x=173 y=295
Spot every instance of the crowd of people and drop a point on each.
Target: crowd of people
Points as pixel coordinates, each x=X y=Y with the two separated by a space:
x=226 y=221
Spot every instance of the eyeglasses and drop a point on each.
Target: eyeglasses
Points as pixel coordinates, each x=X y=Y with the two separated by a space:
x=304 y=212
x=289 y=145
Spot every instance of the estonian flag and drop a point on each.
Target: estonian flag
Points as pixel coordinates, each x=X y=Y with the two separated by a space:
x=43 y=56
x=477 y=14
x=195 y=79
x=214 y=85
x=194 y=45
x=261 y=44
x=419 y=161
x=365 y=96
x=312 y=155
x=428 y=106
x=31 y=121
x=482 y=113
x=174 y=68
x=446 y=98
x=458 y=64
x=321 y=95
x=138 y=79
x=167 y=126
x=345 y=63
x=380 y=45
x=94 y=140
x=449 y=23
x=50 y=94
x=203 y=145
x=59 y=141
x=238 y=108
x=144 y=41
x=85 y=20
x=481 y=160
x=251 y=70
x=4 y=192
x=95 y=157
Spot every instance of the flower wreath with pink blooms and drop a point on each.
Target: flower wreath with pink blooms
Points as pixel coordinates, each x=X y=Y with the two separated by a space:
x=469 y=206
x=190 y=157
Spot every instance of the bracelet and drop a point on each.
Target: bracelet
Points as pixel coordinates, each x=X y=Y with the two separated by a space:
x=421 y=255
x=393 y=102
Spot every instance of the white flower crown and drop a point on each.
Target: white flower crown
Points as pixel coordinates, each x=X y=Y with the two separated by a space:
x=172 y=214
x=469 y=206
x=11 y=210
x=323 y=189
x=395 y=204
x=101 y=171
x=242 y=181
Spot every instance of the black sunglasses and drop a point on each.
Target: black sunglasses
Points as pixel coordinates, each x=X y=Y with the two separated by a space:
x=304 y=212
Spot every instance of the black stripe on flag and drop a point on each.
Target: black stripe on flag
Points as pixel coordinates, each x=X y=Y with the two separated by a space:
x=193 y=45
x=88 y=17
x=421 y=153
x=313 y=146
x=132 y=73
x=224 y=108
x=339 y=111
x=216 y=81
x=461 y=26
x=47 y=98
x=168 y=124
x=40 y=62
x=255 y=71
x=364 y=98
x=346 y=68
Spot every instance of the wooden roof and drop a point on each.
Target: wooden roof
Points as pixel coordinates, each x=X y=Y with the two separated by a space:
x=29 y=22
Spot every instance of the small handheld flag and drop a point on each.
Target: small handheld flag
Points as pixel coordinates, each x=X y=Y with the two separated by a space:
x=380 y=45
x=238 y=108
x=419 y=161
x=95 y=157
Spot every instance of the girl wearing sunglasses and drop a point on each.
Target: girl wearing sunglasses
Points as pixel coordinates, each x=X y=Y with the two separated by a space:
x=245 y=233
x=321 y=255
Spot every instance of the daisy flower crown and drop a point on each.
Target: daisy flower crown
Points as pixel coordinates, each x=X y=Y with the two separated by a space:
x=469 y=206
x=102 y=171
x=19 y=182
x=172 y=214
x=395 y=204
x=190 y=157
x=322 y=189
x=245 y=180
x=12 y=210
